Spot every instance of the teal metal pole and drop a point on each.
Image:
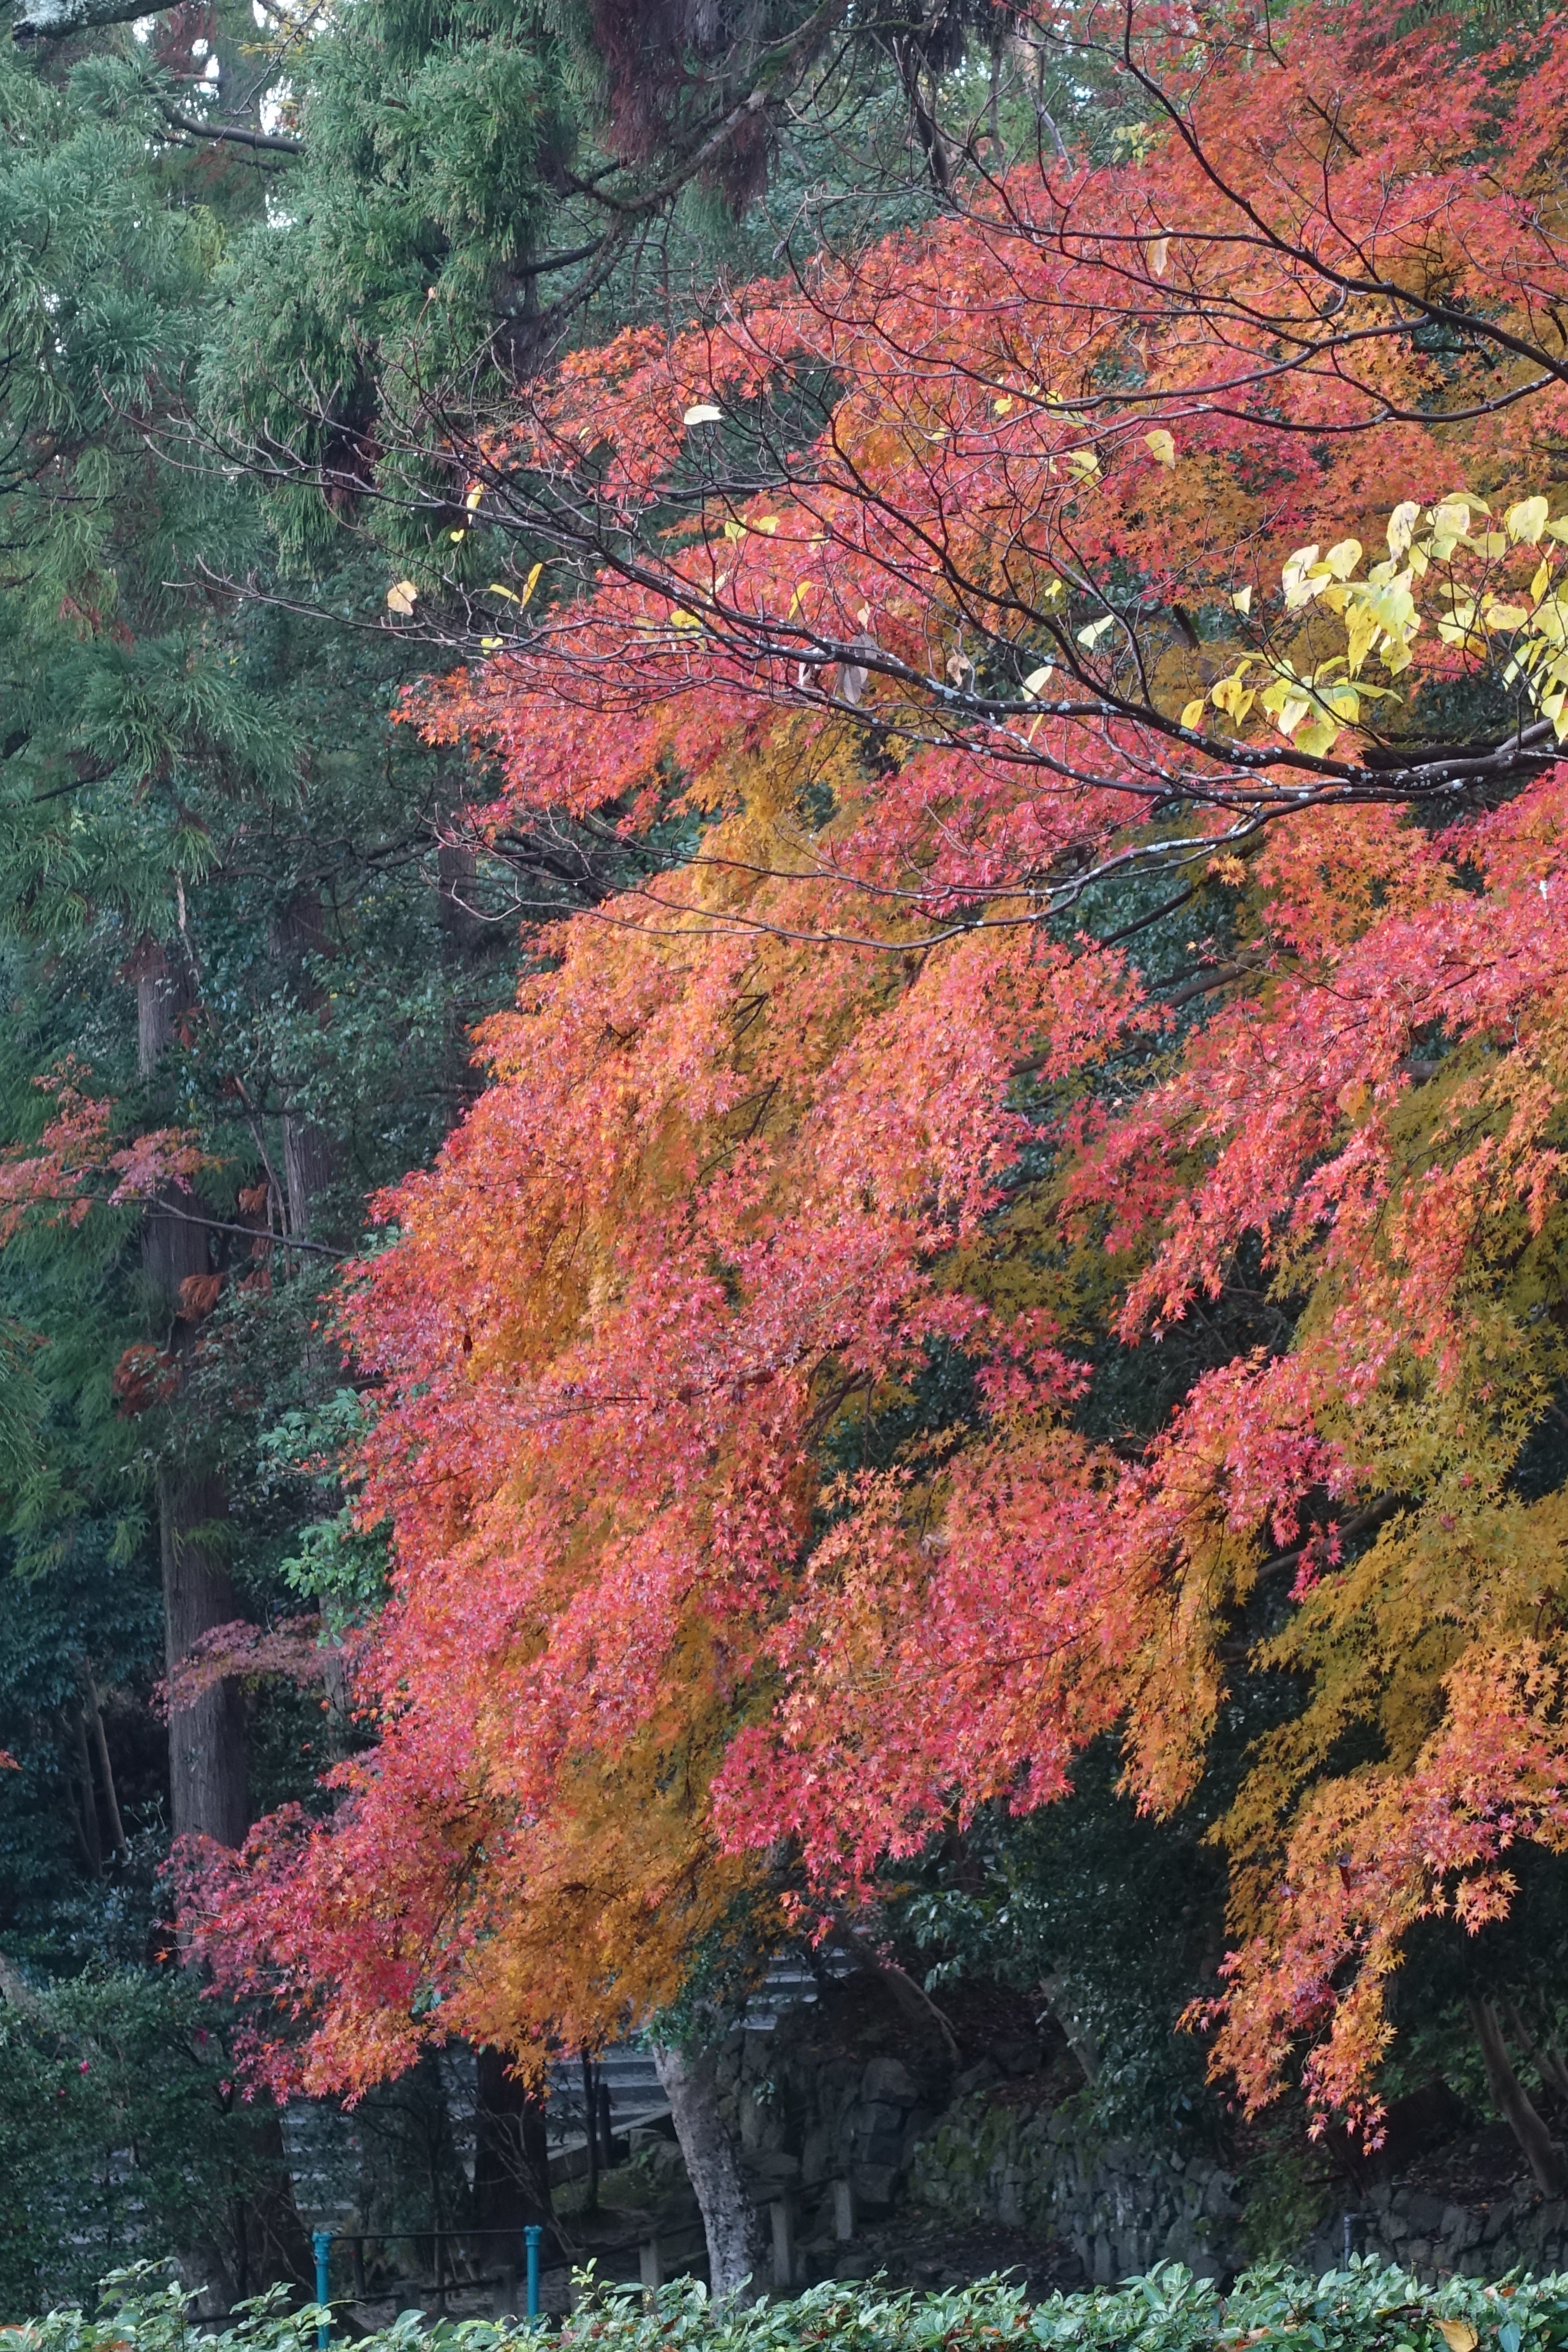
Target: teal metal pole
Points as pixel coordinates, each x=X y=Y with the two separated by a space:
x=322 y=2245
x=534 y=2238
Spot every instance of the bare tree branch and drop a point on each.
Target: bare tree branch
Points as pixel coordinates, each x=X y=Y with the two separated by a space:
x=275 y=143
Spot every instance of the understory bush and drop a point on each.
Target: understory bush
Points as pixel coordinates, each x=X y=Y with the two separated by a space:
x=1370 y=2307
x=122 y=2135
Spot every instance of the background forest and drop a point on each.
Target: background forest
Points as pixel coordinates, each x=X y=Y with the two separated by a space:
x=254 y=260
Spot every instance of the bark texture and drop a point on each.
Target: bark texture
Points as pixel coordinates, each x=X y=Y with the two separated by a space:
x=209 y=1792
x=55 y=20
x=208 y=1795
x=309 y=1154
x=730 y=2220
x=463 y=932
x=1519 y=2110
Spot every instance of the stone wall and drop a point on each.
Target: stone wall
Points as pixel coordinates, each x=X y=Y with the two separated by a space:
x=846 y=2092
x=806 y=2116
x=1434 y=2238
x=1120 y=2208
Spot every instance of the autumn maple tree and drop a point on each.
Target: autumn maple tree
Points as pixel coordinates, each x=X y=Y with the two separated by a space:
x=1178 y=535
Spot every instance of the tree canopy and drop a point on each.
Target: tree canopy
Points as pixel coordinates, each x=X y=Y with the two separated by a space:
x=1037 y=1211
x=994 y=1284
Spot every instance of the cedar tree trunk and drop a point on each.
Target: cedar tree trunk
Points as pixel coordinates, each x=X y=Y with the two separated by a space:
x=309 y=1154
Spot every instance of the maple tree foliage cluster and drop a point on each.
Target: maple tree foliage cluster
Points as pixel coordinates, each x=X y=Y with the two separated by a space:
x=858 y=1081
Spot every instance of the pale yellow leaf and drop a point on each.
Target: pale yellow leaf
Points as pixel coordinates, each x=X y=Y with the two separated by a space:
x=531 y=582
x=401 y=596
x=1300 y=586
x=1159 y=254
x=1342 y=558
x=1160 y=447
x=1242 y=600
x=1457 y=2334
x=1233 y=695
x=1361 y=625
x=1192 y=713
x=1527 y=521
x=704 y=412
x=1402 y=526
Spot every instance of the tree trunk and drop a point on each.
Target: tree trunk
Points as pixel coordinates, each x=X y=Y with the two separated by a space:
x=100 y=1748
x=208 y=1790
x=590 y=2126
x=464 y=932
x=77 y=1724
x=207 y=1785
x=730 y=2220
x=1080 y=2041
x=1514 y=2101
x=913 y=1999
x=511 y=2155
x=208 y=1782
x=310 y=1155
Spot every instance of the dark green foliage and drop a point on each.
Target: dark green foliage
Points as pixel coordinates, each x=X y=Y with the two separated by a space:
x=1113 y=1923
x=93 y=1617
x=1367 y=2308
x=121 y=2131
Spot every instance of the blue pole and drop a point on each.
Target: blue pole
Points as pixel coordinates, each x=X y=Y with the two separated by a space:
x=534 y=2238
x=321 y=2244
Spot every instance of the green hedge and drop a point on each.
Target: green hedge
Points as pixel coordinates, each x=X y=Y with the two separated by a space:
x=1367 y=2308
